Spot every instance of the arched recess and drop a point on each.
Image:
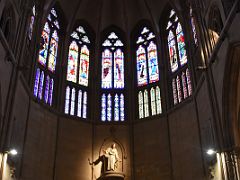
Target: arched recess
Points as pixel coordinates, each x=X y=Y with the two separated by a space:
x=231 y=99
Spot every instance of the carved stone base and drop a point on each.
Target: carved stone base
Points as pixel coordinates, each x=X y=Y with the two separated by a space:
x=111 y=175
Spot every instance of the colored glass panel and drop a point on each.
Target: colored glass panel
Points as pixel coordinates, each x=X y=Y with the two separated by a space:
x=141 y=66
x=153 y=101
x=51 y=92
x=179 y=89
x=31 y=24
x=104 y=116
x=79 y=110
x=174 y=88
x=46 y=89
x=40 y=90
x=109 y=107
x=107 y=69
x=44 y=43
x=158 y=97
x=146 y=107
x=122 y=116
x=181 y=45
x=53 y=52
x=84 y=66
x=72 y=62
x=118 y=69
x=84 y=104
x=72 y=110
x=153 y=63
x=116 y=108
x=184 y=85
x=67 y=99
x=172 y=51
x=140 y=105
x=193 y=25
x=189 y=83
x=36 y=84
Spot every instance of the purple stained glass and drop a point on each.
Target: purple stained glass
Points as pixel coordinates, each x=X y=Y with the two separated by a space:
x=107 y=69
x=40 y=90
x=179 y=89
x=181 y=45
x=189 y=83
x=122 y=116
x=184 y=85
x=109 y=107
x=141 y=66
x=51 y=92
x=116 y=108
x=153 y=63
x=172 y=51
x=118 y=69
x=46 y=89
x=36 y=84
x=79 y=113
x=103 y=103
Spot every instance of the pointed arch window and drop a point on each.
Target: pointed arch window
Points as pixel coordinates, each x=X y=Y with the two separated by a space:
x=77 y=78
x=178 y=61
x=45 y=76
x=193 y=26
x=147 y=74
x=112 y=79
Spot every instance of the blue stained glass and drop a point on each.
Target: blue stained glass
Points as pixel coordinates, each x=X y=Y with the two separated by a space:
x=46 y=89
x=181 y=45
x=118 y=69
x=51 y=92
x=109 y=107
x=79 y=113
x=107 y=69
x=103 y=107
x=44 y=43
x=122 y=116
x=116 y=108
x=67 y=100
x=41 y=85
x=153 y=63
x=141 y=66
x=36 y=84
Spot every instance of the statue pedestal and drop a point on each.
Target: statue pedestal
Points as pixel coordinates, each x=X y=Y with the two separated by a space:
x=111 y=175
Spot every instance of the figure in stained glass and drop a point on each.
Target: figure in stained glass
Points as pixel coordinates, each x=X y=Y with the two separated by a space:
x=172 y=52
x=107 y=69
x=72 y=62
x=141 y=66
x=44 y=43
x=84 y=66
x=153 y=63
x=53 y=52
x=118 y=69
x=181 y=45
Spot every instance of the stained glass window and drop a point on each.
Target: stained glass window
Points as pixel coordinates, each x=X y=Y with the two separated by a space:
x=72 y=102
x=153 y=101
x=47 y=59
x=78 y=69
x=158 y=100
x=67 y=100
x=140 y=105
x=193 y=25
x=178 y=60
x=32 y=22
x=112 y=79
x=147 y=72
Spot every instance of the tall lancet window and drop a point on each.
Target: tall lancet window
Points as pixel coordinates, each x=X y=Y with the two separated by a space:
x=193 y=26
x=45 y=75
x=112 y=79
x=149 y=98
x=32 y=20
x=77 y=73
x=179 y=74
